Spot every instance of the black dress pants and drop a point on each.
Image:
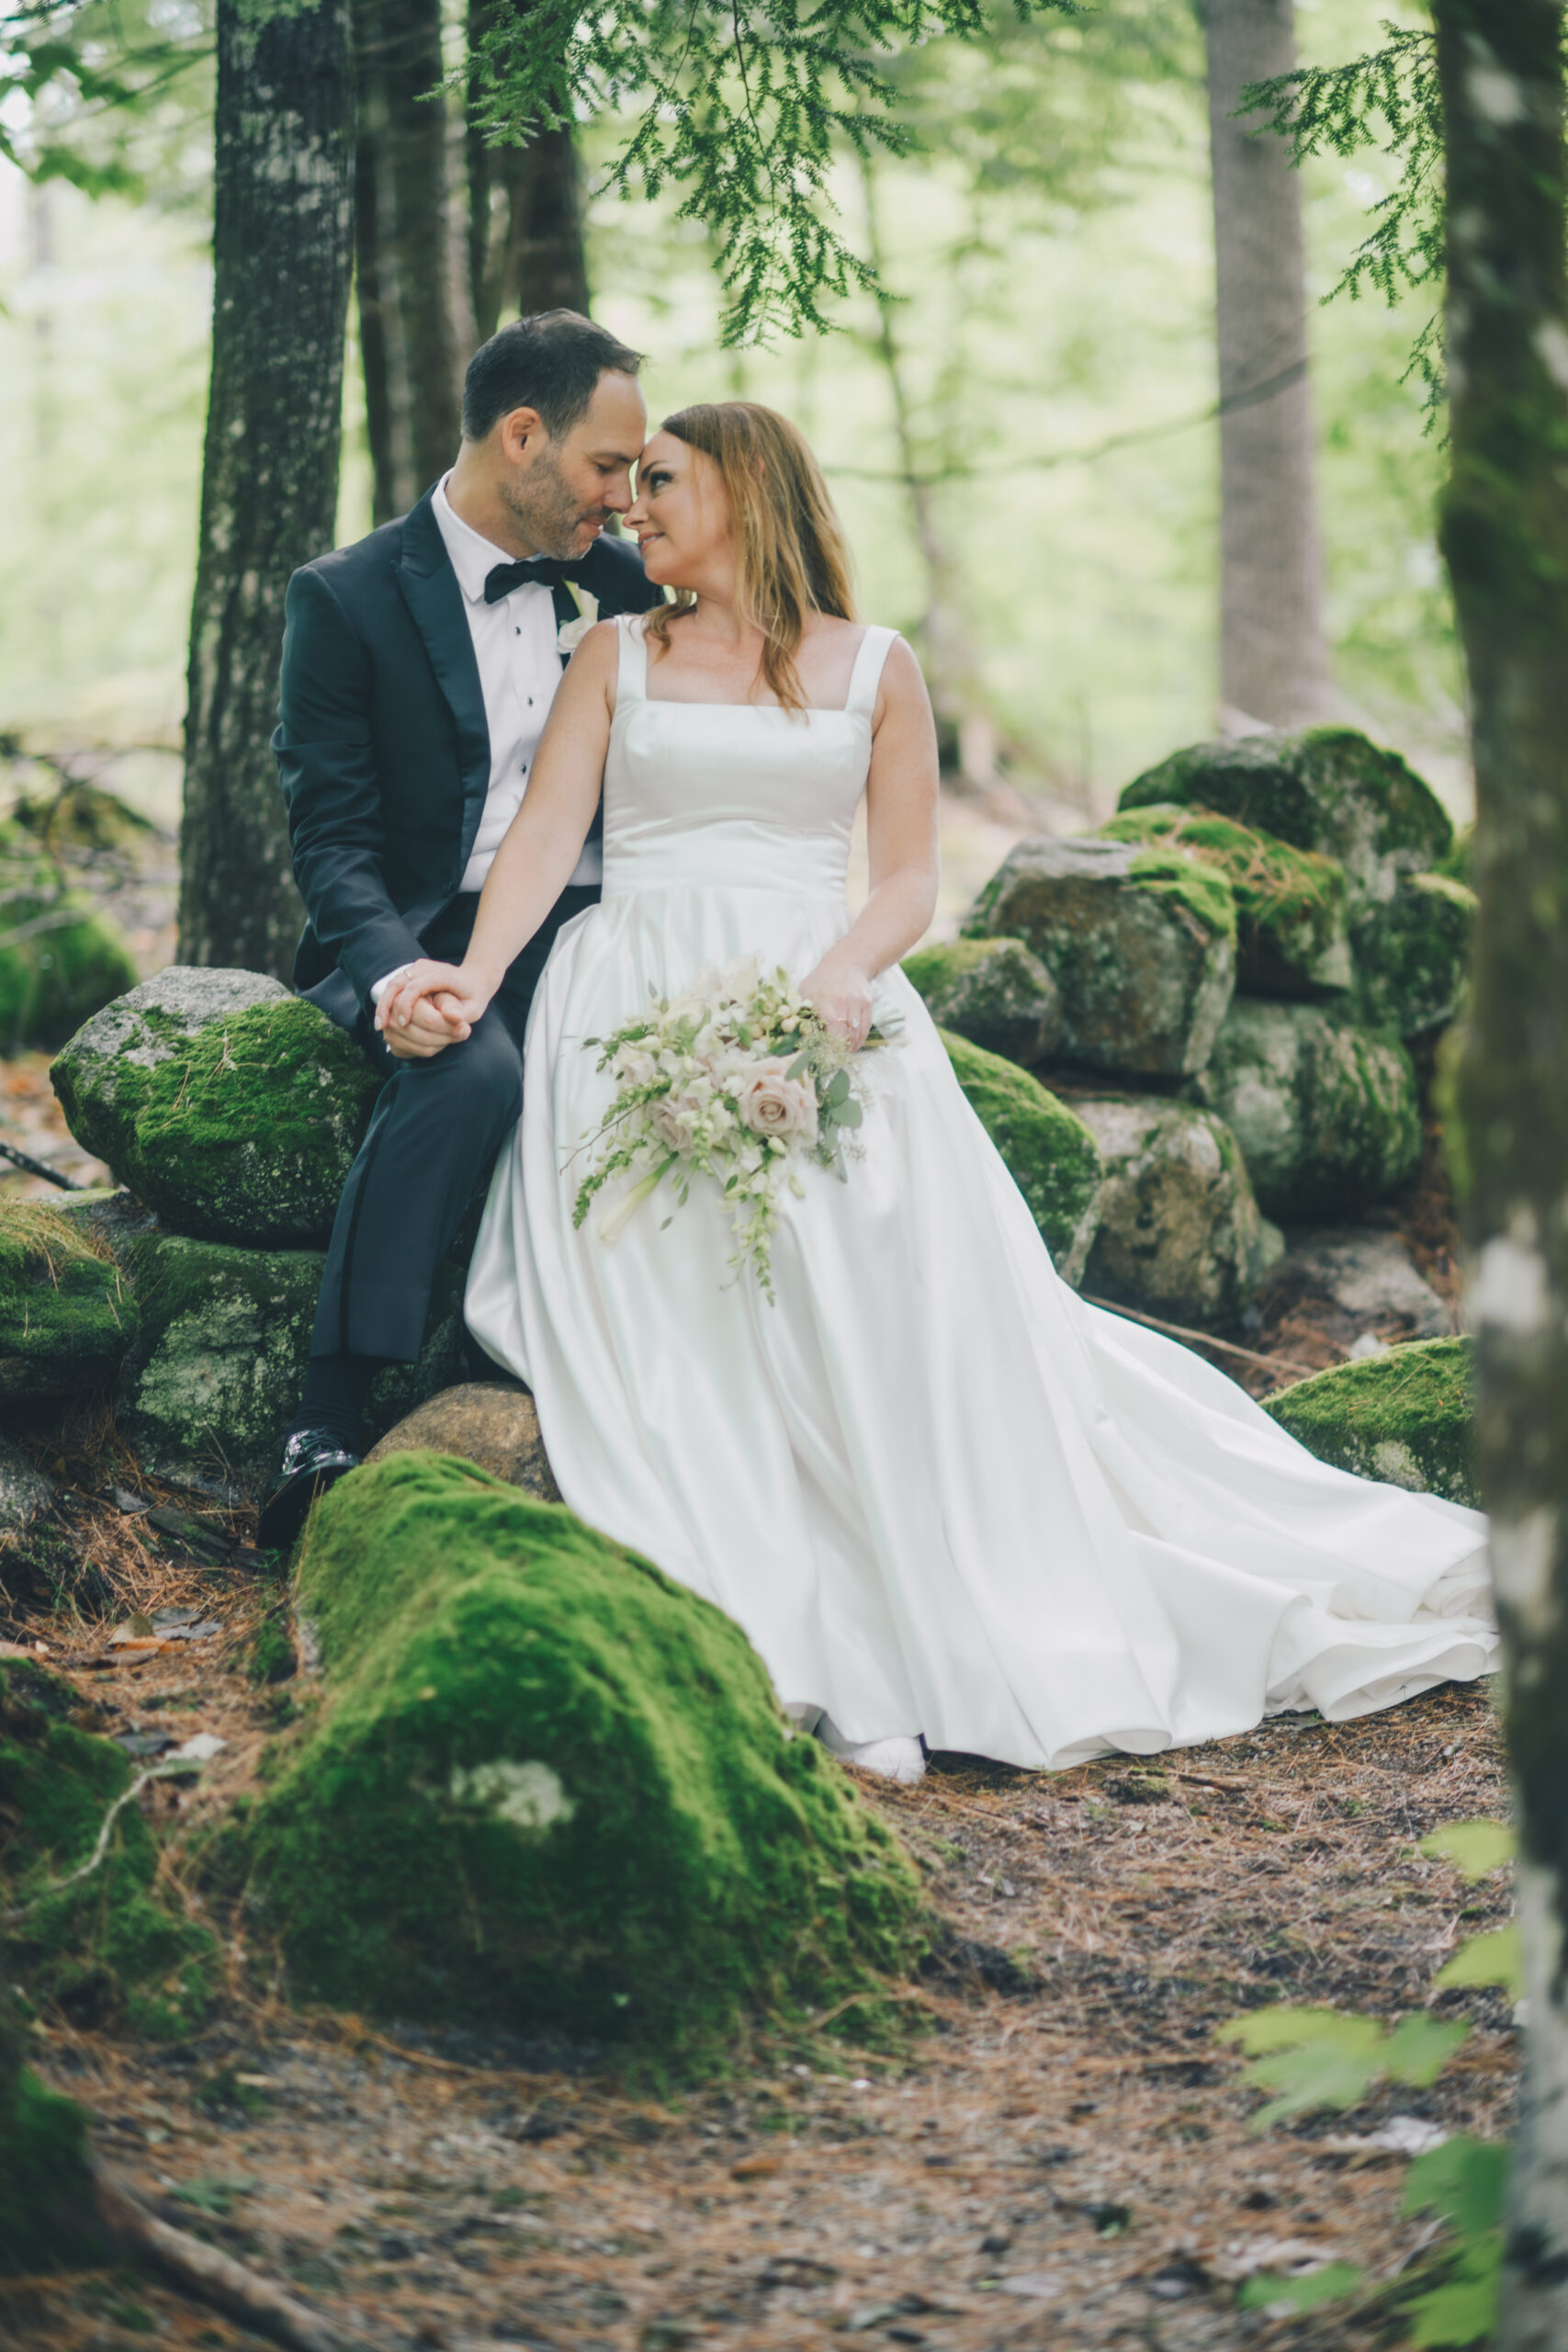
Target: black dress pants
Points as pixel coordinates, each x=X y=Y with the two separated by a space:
x=435 y=1132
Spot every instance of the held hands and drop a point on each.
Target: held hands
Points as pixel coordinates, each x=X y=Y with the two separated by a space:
x=843 y=998
x=428 y=1006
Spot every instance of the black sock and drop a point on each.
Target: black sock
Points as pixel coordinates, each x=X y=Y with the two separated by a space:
x=337 y=1389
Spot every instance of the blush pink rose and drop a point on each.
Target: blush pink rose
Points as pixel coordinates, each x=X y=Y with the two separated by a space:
x=773 y=1105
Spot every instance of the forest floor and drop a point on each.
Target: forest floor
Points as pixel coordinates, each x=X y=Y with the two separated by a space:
x=1059 y=2158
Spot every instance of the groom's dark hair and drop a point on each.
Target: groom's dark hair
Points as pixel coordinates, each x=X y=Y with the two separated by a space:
x=552 y=361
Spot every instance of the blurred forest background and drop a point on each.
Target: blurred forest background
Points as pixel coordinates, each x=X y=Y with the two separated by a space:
x=1047 y=372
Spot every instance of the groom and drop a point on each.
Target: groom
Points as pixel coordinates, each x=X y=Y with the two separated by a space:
x=418 y=669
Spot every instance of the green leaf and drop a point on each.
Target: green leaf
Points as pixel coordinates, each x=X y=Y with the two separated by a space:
x=1420 y=2047
x=1463 y=2309
x=1496 y=1958
x=1474 y=1847
x=1465 y=2180
x=1281 y=2027
x=801 y=1063
x=847 y=1114
x=838 y=1087
x=1267 y=2292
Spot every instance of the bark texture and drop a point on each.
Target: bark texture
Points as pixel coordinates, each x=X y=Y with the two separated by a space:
x=1274 y=665
x=526 y=235
x=282 y=255
x=408 y=330
x=1506 y=537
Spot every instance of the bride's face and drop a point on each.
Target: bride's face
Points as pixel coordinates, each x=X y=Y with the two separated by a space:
x=681 y=515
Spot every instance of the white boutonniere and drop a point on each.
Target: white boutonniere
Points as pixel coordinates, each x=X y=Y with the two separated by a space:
x=570 y=634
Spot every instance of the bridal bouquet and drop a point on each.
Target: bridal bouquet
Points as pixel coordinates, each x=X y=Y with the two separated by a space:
x=737 y=1077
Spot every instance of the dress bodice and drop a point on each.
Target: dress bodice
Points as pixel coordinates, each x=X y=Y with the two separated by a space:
x=733 y=796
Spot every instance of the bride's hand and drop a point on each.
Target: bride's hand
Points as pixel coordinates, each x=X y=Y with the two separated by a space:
x=844 y=1001
x=428 y=1006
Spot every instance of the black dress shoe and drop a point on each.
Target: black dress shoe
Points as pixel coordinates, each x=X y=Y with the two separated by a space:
x=312 y=1460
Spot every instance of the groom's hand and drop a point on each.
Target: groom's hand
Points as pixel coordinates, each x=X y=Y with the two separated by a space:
x=416 y=1015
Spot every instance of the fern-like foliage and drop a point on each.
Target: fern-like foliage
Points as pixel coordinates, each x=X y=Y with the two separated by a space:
x=741 y=106
x=1390 y=100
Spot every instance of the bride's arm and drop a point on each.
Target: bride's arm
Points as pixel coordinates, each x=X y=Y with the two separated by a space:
x=539 y=848
x=901 y=814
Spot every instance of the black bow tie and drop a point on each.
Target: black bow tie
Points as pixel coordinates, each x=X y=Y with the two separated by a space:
x=548 y=571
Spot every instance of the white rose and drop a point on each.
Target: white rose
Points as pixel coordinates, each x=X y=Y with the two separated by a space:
x=570 y=634
x=773 y=1104
x=635 y=1066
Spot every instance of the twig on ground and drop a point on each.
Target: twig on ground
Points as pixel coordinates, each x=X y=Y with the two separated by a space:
x=1205 y=1338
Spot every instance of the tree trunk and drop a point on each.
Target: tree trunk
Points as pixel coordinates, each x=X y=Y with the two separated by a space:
x=407 y=331
x=526 y=238
x=281 y=247
x=1273 y=654
x=1505 y=530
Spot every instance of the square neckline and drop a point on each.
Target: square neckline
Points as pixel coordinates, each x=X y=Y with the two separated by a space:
x=855 y=704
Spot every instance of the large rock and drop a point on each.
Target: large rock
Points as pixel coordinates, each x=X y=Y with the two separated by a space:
x=1140 y=942
x=1413 y=955
x=483 y=1421
x=548 y=1786
x=60 y=974
x=1327 y=790
x=1290 y=904
x=1361 y=1287
x=67 y=1316
x=225 y=1338
x=1405 y=1417
x=993 y=991
x=103 y=1949
x=1180 y=1232
x=228 y=1106
x=1327 y=1113
x=25 y=1493
x=1050 y=1153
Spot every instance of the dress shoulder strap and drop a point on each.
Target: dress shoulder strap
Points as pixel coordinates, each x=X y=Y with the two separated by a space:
x=631 y=674
x=866 y=676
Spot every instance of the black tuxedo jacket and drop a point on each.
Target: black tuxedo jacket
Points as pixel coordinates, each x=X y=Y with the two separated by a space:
x=382 y=747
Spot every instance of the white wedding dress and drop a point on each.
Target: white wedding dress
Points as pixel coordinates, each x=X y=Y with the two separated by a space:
x=940 y=1494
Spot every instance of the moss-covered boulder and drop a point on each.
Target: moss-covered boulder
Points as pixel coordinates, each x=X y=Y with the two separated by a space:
x=1180 y=1232
x=1290 y=904
x=105 y=1948
x=221 y=1352
x=1140 y=942
x=25 y=1494
x=1405 y=1417
x=46 y=2193
x=1327 y=1112
x=547 y=1785
x=67 y=1316
x=1326 y=789
x=230 y=1106
x=1050 y=1153
x=993 y=991
x=1413 y=955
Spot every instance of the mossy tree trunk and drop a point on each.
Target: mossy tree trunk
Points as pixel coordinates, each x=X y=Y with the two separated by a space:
x=1504 y=531
x=1273 y=652
x=282 y=253
x=525 y=232
x=409 y=336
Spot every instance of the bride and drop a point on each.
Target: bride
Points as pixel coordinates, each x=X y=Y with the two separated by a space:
x=946 y=1500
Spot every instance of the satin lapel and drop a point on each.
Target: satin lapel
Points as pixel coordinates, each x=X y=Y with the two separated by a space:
x=429 y=590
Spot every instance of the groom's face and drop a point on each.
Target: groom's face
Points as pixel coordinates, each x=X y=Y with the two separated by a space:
x=562 y=493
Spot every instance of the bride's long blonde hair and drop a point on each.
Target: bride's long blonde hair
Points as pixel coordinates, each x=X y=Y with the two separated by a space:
x=791 y=558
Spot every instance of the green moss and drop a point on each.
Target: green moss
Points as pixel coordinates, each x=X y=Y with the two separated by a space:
x=1290 y=904
x=1050 y=1153
x=1406 y=1418
x=46 y=2202
x=548 y=1786
x=993 y=991
x=225 y=1338
x=84 y=818
x=105 y=1948
x=66 y=1314
x=1327 y=1112
x=1413 y=955
x=53 y=981
x=1327 y=790
x=1202 y=893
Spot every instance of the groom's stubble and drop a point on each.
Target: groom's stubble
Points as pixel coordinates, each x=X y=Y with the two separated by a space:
x=546 y=511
